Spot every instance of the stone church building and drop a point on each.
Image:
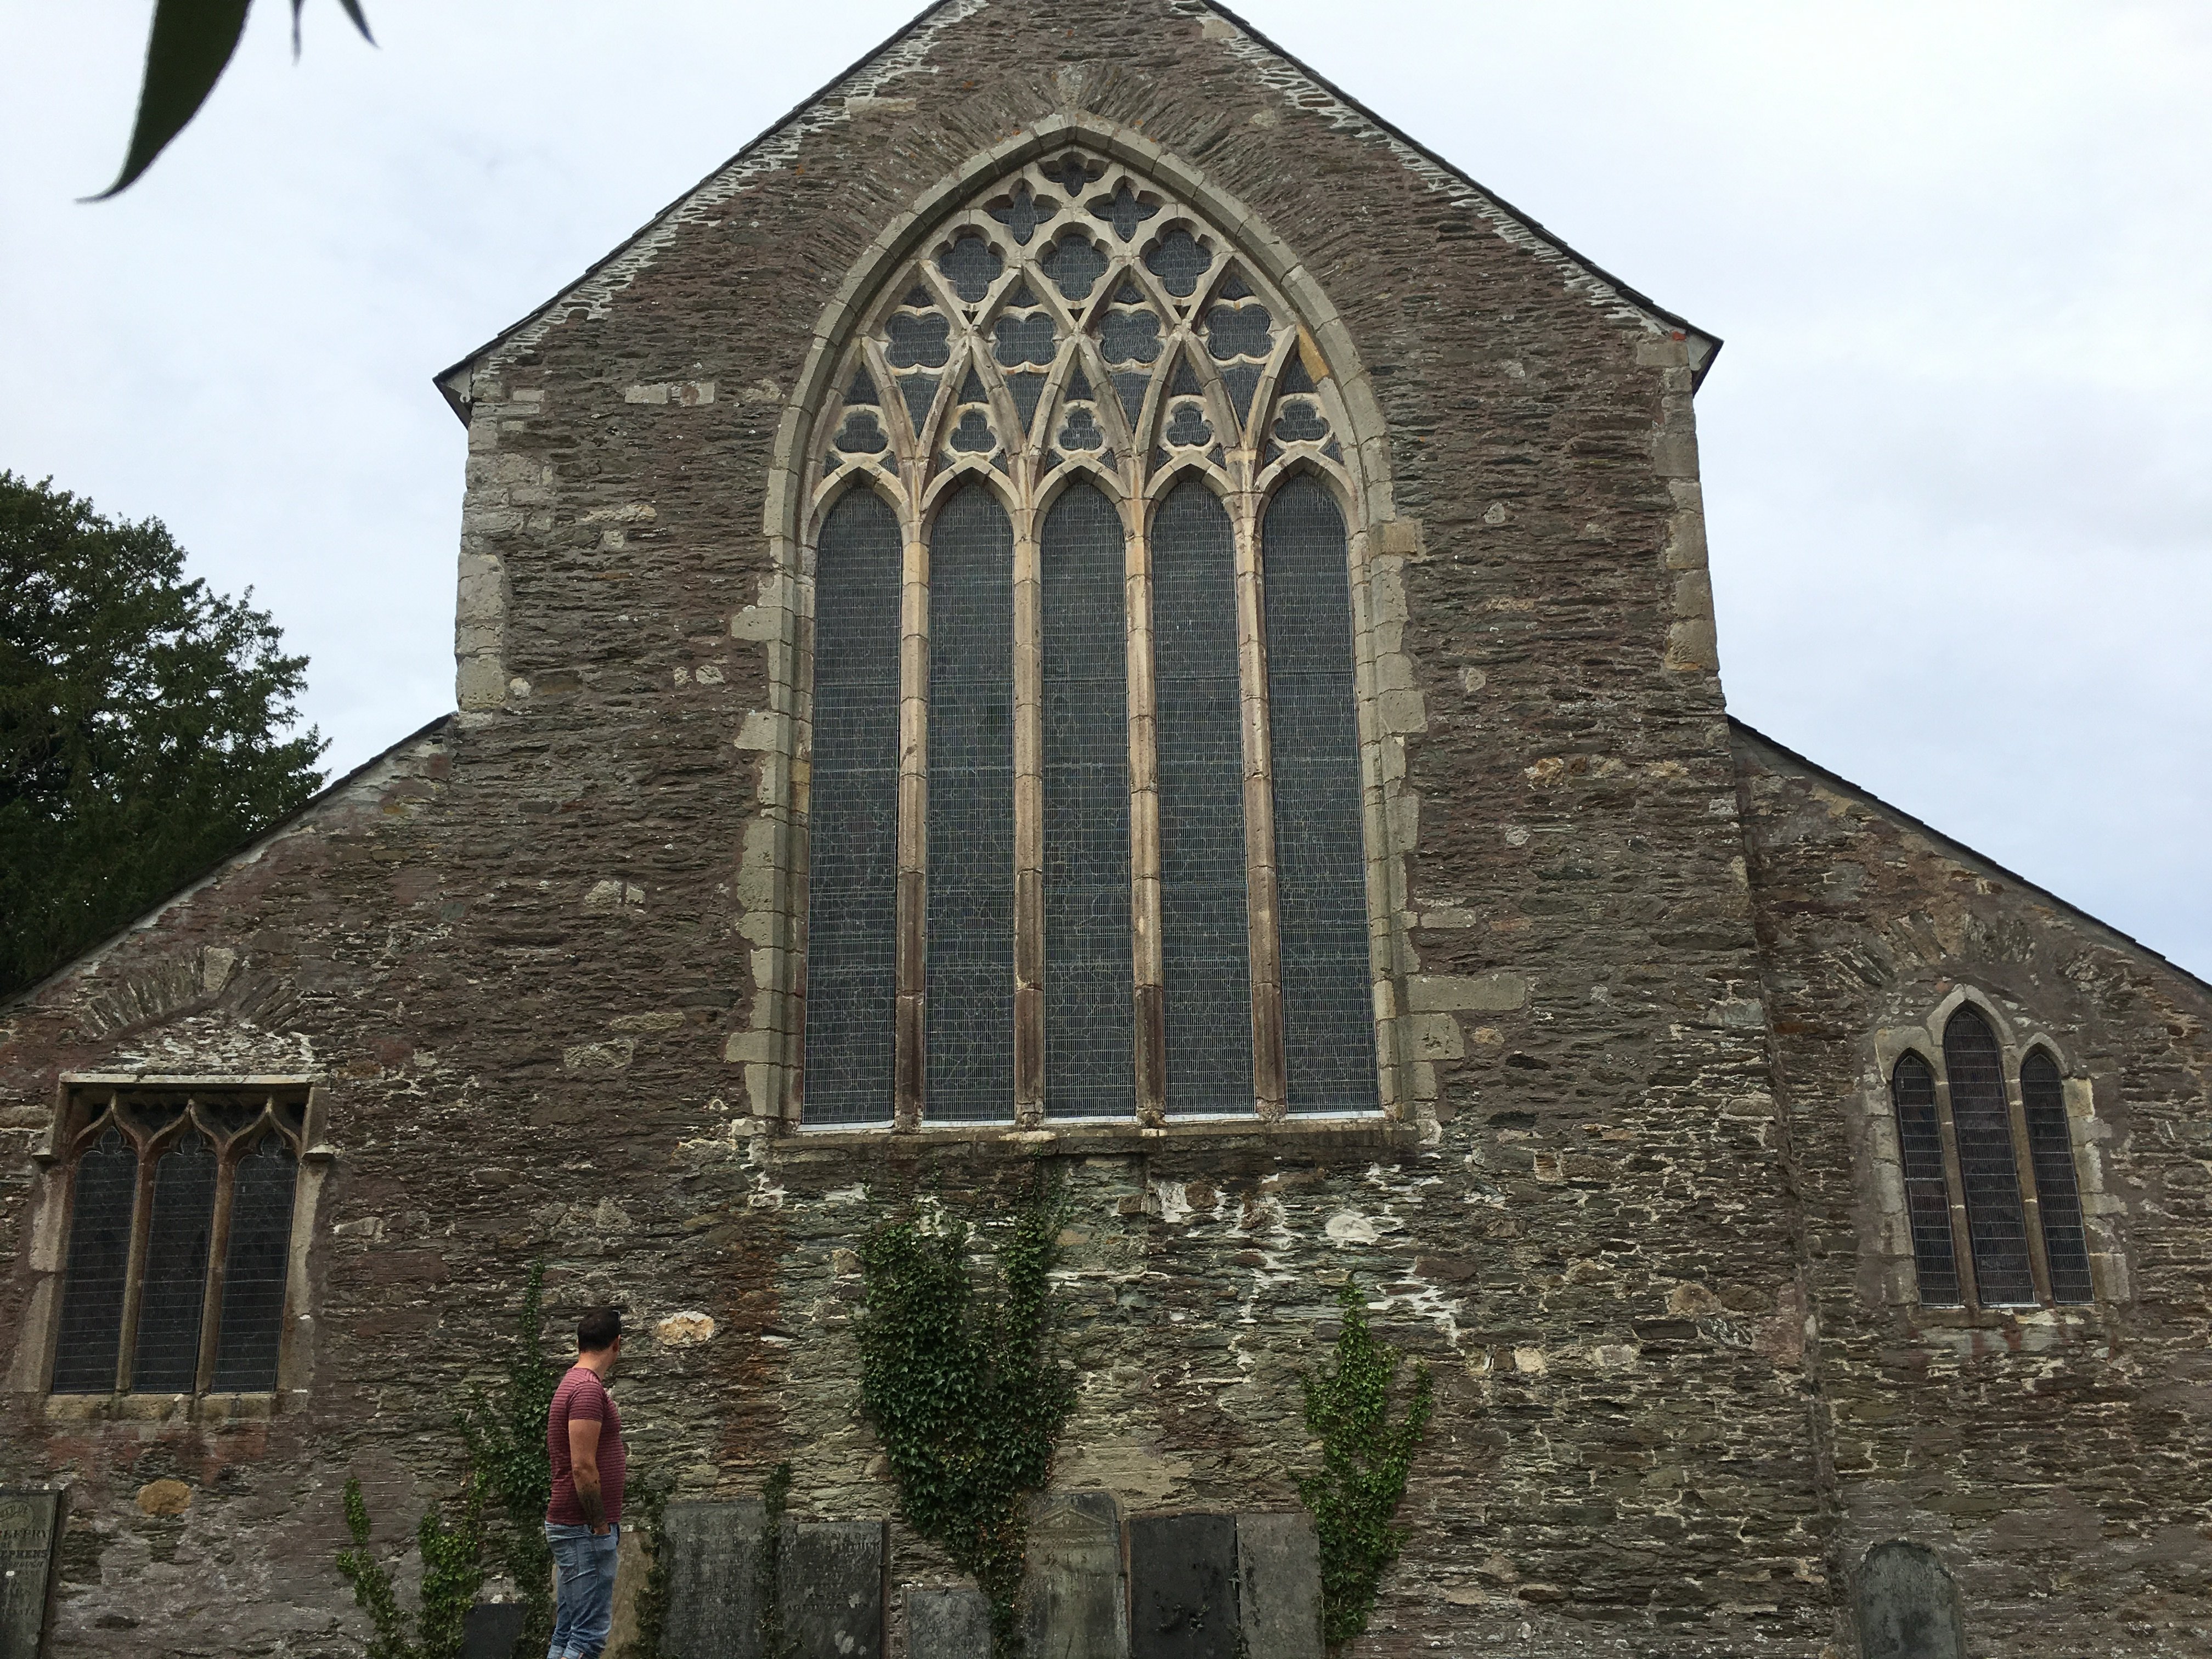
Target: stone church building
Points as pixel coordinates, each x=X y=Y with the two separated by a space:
x=1085 y=604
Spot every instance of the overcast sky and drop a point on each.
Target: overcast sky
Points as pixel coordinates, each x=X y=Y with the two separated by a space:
x=1956 y=452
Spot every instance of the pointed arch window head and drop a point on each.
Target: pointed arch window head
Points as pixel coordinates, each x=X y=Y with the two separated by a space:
x=1127 y=872
x=1988 y=1227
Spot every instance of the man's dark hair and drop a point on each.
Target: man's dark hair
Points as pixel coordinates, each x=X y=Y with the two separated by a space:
x=598 y=1330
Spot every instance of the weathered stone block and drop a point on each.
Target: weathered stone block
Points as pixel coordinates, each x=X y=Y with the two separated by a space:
x=30 y=1533
x=1908 y=1608
x=948 y=1623
x=1278 y=1584
x=714 y=1594
x=1182 y=1586
x=1072 y=1582
x=491 y=1630
x=832 y=1590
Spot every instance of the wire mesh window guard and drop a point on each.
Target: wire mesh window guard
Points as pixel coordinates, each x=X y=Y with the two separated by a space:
x=1981 y=1119
x=1927 y=1193
x=2051 y=1147
x=1985 y=1178
x=1078 y=438
x=179 y=1239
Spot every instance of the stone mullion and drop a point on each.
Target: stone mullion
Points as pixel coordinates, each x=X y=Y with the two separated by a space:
x=906 y=1064
x=1149 y=969
x=1270 y=1086
x=1029 y=821
x=134 y=1273
x=226 y=1184
x=2031 y=1195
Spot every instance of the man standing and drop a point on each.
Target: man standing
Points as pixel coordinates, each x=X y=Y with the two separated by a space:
x=583 y=1524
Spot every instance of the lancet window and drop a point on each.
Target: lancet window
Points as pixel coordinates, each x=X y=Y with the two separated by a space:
x=179 y=1230
x=1084 y=809
x=1989 y=1228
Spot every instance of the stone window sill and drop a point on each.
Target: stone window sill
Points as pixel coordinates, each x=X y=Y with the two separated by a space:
x=206 y=1409
x=2068 y=1319
x=1314 y=1136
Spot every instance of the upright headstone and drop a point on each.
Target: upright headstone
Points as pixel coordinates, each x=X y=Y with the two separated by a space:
x=1278 y=1584
x=948 y=1623
x=833 y=1589
x=30 y=1536
x=1072 y=1578
x=1182 y=1586
x=492 y=1629
x=1908 y=1608
x=714 y=1580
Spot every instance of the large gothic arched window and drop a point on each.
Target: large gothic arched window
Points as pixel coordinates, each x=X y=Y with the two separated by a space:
x=1084 y=805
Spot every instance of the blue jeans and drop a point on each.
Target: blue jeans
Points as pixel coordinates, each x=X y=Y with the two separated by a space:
x=584 y=1591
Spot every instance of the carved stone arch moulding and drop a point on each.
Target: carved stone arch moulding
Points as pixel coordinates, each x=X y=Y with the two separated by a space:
x=1074 y=306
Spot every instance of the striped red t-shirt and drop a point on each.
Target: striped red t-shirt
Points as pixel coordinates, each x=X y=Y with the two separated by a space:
x=582 y=1397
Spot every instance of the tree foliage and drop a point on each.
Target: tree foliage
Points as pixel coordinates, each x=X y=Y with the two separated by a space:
x=143 y=725
x=960 y=1388
x=1365 y=1459
x=190 y=48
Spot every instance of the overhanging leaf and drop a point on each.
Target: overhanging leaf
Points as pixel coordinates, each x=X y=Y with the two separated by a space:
x=186 y=55
x=352 y=9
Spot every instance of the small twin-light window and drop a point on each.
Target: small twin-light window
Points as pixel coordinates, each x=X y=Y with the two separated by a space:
x=2019 y=1220
x=179 y=1239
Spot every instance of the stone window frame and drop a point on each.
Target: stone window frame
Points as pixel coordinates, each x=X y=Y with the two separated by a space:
x=772 y=883
x=80 y=1103
x=1892 y=1240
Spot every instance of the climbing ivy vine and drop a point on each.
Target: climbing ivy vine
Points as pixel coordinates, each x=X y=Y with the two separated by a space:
x=452 y=1572
x=1365 y=1459
x=956 y=1380
x=505 y=1435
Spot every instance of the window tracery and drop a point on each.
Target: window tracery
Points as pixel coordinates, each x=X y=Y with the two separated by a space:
x=1961 y=1134
x=1078 y=367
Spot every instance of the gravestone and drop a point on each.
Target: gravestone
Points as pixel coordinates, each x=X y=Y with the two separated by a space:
x=1072 y=1577
x=1278 y=1584
x=1908 y=1608
x=492 y=1629
x=1182 y=1586
x=713 y=1586
x=30 y=1534
x=832 y=1584
x=948 y=1623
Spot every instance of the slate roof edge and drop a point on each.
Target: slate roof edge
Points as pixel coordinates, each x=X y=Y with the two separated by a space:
x=444 y=377
x=250 y=847
x=1965 y=854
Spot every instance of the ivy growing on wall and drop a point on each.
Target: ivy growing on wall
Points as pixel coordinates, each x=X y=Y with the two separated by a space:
x=1365 y=1459
x=768 y=1566
x=452 y=1572
x=506 y=1439
x=956 y=1380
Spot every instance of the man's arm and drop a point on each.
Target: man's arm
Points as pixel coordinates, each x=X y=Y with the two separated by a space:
x=584 y=1470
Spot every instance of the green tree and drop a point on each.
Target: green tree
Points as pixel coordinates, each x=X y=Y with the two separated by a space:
x=143 y=725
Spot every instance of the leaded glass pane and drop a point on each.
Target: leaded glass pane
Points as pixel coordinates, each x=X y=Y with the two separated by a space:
x=1203 y=939
x=255 y=1264
x=1089 y=983
x=1982 y=1122
x=1328 y=1028
x=91 y=1335
x=168 y=1354
x=851 y=928
x=2051 y=1147
x=970 y=1061
x=1927 y=1193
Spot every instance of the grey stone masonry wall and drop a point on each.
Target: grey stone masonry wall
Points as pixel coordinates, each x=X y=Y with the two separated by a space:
x=2057 y=1460
x=536 y=961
